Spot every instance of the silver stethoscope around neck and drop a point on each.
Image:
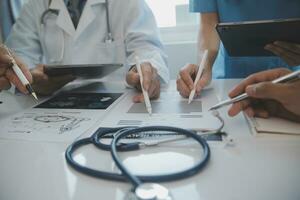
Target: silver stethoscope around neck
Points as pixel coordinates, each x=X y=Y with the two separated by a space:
x=108 y=38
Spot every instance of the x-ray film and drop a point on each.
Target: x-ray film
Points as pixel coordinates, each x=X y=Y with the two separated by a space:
x=98 y=101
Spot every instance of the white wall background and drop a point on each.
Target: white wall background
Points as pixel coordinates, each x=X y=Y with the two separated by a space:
x=179 y=30
x=180 y=54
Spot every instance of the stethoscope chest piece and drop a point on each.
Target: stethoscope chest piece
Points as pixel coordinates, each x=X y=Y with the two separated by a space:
x=150 y=191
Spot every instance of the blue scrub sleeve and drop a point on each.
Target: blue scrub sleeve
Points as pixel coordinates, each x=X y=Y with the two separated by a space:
x=203 y=6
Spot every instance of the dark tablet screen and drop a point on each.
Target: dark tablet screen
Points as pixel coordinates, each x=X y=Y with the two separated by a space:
x=250 y=38
x=88 y=70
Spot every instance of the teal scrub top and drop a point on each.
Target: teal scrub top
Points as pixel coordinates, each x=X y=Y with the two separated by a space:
x=246 y=10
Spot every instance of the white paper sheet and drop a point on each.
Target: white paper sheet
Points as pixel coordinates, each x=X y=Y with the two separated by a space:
x=49 y=125
x=169 y=110
x=52 y=125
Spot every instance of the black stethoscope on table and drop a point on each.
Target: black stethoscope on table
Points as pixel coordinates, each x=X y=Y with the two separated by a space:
x=140 y=190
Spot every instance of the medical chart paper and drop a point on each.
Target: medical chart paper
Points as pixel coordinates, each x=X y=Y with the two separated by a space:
x=169 y=110
x=273 y=125
x=54 y=125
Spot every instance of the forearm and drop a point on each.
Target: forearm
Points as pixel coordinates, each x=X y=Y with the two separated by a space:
x=208 y=38
x=142 y=40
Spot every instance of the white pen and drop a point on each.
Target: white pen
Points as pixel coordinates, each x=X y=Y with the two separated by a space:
x=20 y=74
x=145 y=93
x=198 y=76
x=283 y=79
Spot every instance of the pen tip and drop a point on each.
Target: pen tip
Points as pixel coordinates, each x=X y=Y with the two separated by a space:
x=35 y=96
x=213 y=108
x=191 y=97
x=150 y=112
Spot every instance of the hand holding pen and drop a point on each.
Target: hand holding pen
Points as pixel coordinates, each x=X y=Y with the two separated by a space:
x=269 y=93
x=198 y=76
x=186 y=80
x=15 y=72
x=144 y=91
x=151 y=81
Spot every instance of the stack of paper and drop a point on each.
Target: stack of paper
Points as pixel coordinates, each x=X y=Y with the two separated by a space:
x=274 y=125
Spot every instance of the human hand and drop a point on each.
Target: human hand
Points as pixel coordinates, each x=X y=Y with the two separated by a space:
x=289 y=52
x=45 y=85
x=268 y=99
x=187 y=75
x=8 y=76
x=151 y=82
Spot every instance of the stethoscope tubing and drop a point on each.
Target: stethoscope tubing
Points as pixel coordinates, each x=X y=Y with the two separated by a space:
x=120 y=177
x=86 y=170
x=56 y=12
x=100 y=133
x=136 y=181
x=108 y=38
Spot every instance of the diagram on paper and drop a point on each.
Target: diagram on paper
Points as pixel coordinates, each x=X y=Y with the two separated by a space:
x=42 y=125
x=59 y=124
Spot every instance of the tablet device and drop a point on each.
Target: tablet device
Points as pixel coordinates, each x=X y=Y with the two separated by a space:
x=249 y=38
x=85 y=71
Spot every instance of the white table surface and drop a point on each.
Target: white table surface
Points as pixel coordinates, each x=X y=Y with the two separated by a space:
x=265 y=167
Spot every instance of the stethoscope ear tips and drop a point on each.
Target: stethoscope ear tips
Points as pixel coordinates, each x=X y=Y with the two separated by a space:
x=150 y=191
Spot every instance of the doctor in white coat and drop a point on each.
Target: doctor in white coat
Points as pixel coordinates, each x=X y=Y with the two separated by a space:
x=108 y=31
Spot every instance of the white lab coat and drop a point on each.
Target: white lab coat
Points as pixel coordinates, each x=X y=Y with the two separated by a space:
x=132 y=24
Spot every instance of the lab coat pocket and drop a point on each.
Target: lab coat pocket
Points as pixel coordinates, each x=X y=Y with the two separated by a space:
x=111 y=52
